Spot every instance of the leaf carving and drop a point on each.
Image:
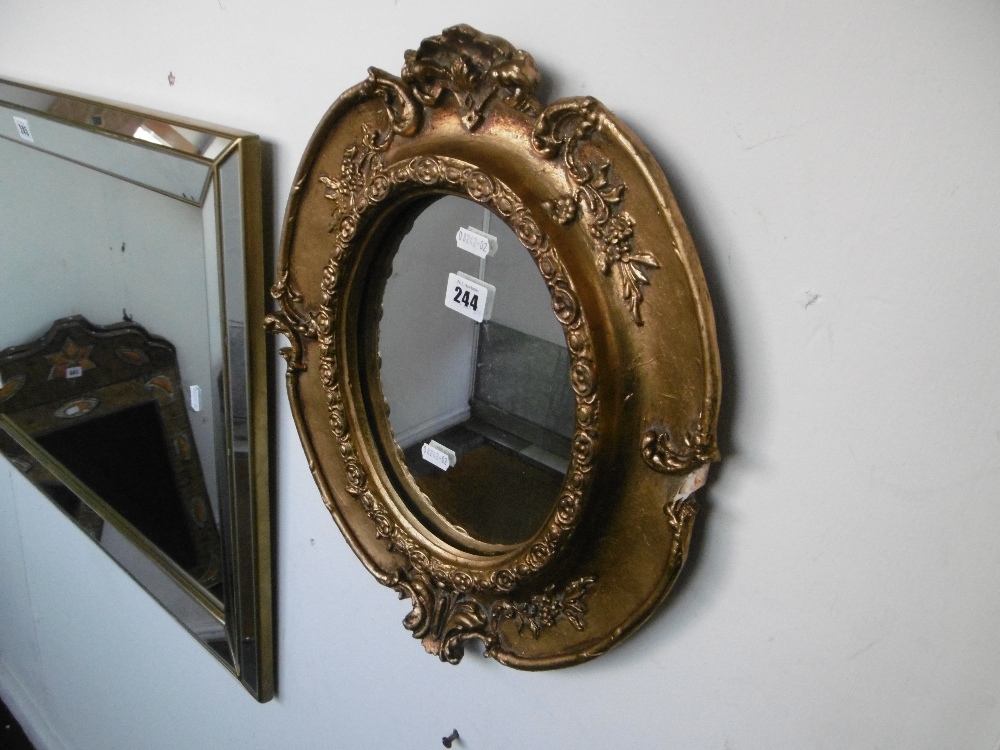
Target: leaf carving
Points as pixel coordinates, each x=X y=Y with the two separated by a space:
x=445 y=621
x=562 y=129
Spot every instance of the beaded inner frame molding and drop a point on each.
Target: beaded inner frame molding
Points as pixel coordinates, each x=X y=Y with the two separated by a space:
x=594 y=210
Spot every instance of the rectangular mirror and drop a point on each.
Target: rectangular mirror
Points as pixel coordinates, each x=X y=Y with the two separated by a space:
x=133 y=386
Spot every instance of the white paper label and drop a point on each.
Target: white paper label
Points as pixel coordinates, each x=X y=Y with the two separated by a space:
x=73 y=372
x=195 y=397
x=476 y=242
x=22 y=129
x=469 y=296
x=435 y=453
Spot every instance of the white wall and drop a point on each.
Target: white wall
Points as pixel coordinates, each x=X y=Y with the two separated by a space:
x=837 y=163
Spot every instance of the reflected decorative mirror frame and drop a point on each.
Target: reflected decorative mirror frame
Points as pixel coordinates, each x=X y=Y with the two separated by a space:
x=590 y=205
x=97 y=197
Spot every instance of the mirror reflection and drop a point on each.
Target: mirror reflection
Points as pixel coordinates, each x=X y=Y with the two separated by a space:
x=125 y=391
x=106 y=402
x=475 y=373
x=112 y=251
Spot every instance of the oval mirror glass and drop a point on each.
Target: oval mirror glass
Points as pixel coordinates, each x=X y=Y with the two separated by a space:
x=474 y=373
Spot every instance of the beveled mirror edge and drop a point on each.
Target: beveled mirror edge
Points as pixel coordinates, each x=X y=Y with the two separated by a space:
x=184 y=122
x=253 y=647
x=663 y=443
x=111 y=516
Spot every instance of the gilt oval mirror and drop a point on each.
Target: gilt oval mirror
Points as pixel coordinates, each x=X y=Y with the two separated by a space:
x=502 y=359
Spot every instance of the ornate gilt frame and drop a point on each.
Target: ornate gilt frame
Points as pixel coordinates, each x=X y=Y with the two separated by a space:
x=594 y=210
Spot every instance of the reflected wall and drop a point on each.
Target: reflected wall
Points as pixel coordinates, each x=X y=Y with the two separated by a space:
x=111 y=250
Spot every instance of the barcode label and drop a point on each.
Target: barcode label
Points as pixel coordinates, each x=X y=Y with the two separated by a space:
x=23 y=130
x=435 y=453
x=476 y=242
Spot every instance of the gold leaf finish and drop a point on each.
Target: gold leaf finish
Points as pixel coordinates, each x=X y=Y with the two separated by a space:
x=589 y=204
x=665 y=454
x=474 y=68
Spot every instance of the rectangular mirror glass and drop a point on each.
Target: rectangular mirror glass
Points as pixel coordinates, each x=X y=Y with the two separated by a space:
x=133 y=385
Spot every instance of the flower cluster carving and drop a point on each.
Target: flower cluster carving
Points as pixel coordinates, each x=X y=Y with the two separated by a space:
x=597 y=198
x=475 y=68
x=544 y=610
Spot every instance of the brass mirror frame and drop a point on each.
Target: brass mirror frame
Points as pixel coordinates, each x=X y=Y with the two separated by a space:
x=246 y=611
x=594 y=210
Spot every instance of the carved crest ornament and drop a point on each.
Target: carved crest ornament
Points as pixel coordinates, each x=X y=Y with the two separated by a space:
x=594 y=211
